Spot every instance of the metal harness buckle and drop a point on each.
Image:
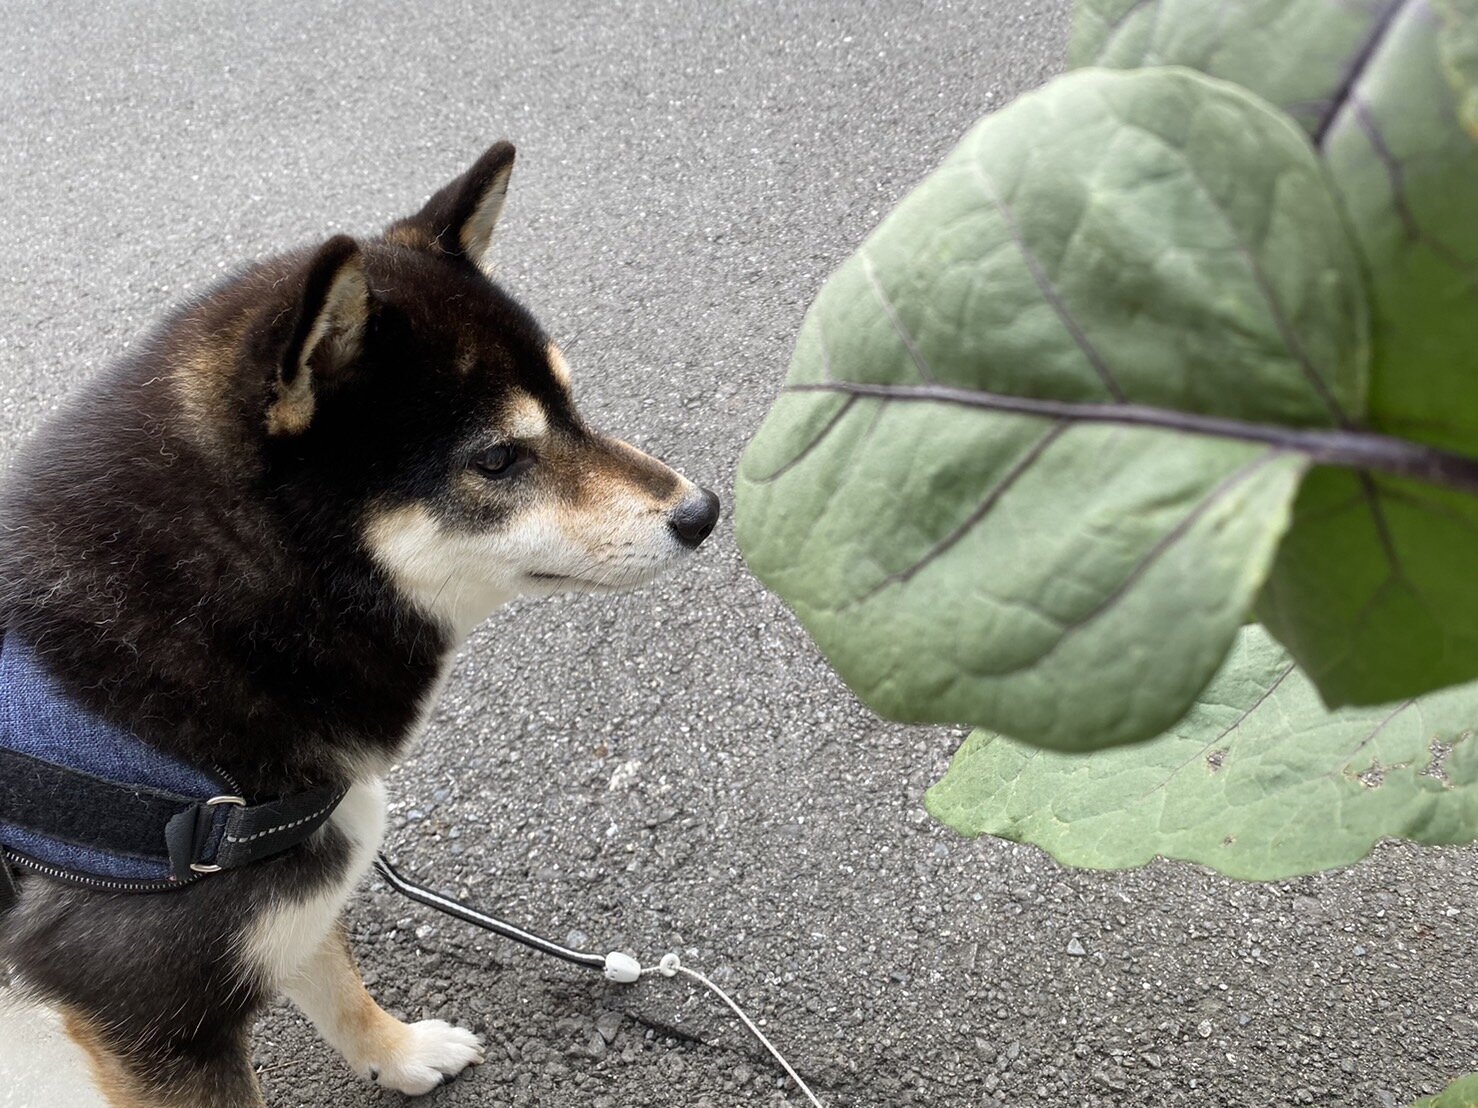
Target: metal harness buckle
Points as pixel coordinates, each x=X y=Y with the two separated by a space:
x=214 y=802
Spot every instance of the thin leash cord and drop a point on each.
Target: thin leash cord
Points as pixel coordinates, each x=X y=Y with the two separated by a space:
x=617 y=967
x=445 y=904
x=671 y=965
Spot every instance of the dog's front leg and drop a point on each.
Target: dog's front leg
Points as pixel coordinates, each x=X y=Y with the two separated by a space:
x=412 y=1058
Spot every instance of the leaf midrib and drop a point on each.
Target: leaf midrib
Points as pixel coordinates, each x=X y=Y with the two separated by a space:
x=1346 y=449
x=1358 y=65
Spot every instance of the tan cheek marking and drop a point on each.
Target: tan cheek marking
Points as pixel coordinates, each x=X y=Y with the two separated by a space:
x=385 y=527
x=558 y=366
x=118 y=1087
x=403 y=539
x=525 y=419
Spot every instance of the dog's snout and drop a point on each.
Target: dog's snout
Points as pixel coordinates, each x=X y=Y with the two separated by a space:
x=693 y=520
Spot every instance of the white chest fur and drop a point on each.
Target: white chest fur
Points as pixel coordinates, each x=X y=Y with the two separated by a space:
x=292 y=928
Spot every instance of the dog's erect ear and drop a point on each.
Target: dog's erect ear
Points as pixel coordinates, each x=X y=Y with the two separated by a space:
x=327 y=336
x=460 y=218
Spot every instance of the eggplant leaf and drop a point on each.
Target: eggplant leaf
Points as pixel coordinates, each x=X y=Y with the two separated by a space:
x=1041 y=434
x=1386 y=91
x=1462 y=1093
x=1258 y=781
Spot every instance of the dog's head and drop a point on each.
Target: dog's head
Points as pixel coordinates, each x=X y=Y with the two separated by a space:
x=395 y=379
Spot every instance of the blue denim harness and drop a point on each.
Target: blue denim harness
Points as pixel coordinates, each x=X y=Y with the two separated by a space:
x=84 y=800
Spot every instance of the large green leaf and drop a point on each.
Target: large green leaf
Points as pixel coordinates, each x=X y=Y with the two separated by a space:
x=1259 y=780
x=1296 y=54
x=1462 y=1093
x=1038 y=442
x=1385 y=89
x=1407 y=619
x=1375 y=588
x=1405 y=168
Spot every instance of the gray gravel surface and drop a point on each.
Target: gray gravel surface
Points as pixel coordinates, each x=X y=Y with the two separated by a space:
x=677 y=769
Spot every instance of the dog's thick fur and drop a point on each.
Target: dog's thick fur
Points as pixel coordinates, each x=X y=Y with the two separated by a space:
x=257 y=543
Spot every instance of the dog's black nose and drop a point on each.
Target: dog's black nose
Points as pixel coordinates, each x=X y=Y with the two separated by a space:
x=692 y=521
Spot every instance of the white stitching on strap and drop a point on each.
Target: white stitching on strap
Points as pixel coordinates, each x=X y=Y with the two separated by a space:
x=288 y=826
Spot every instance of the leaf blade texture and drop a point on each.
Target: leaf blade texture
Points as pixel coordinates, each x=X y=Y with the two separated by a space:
x=1386 y=91
x=1258 y=781
x=1153 y=241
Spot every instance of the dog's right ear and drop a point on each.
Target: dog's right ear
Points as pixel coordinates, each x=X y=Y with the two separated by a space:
x=327 y=335
x=459 y=220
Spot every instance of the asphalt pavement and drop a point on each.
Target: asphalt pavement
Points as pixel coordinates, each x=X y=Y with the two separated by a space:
x=677 y=769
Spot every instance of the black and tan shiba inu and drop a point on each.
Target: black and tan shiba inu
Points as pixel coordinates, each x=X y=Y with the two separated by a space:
x=256 y=544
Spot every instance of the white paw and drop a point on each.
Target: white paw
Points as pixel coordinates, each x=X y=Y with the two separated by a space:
x=431 y=1053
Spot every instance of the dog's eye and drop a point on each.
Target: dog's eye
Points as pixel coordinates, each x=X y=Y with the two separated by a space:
x=501 y=461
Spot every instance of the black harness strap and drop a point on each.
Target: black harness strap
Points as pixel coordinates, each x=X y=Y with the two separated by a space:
x=193 y=835
x=256 y=831
x=81 y=808
x=93 y=826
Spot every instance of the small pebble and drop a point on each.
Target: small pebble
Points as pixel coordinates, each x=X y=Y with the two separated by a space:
x=608 y=1024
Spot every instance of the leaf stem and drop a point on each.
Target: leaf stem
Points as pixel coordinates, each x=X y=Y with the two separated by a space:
x=1347 y=449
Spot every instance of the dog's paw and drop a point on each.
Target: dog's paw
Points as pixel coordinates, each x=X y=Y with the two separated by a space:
x=431 y=1053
